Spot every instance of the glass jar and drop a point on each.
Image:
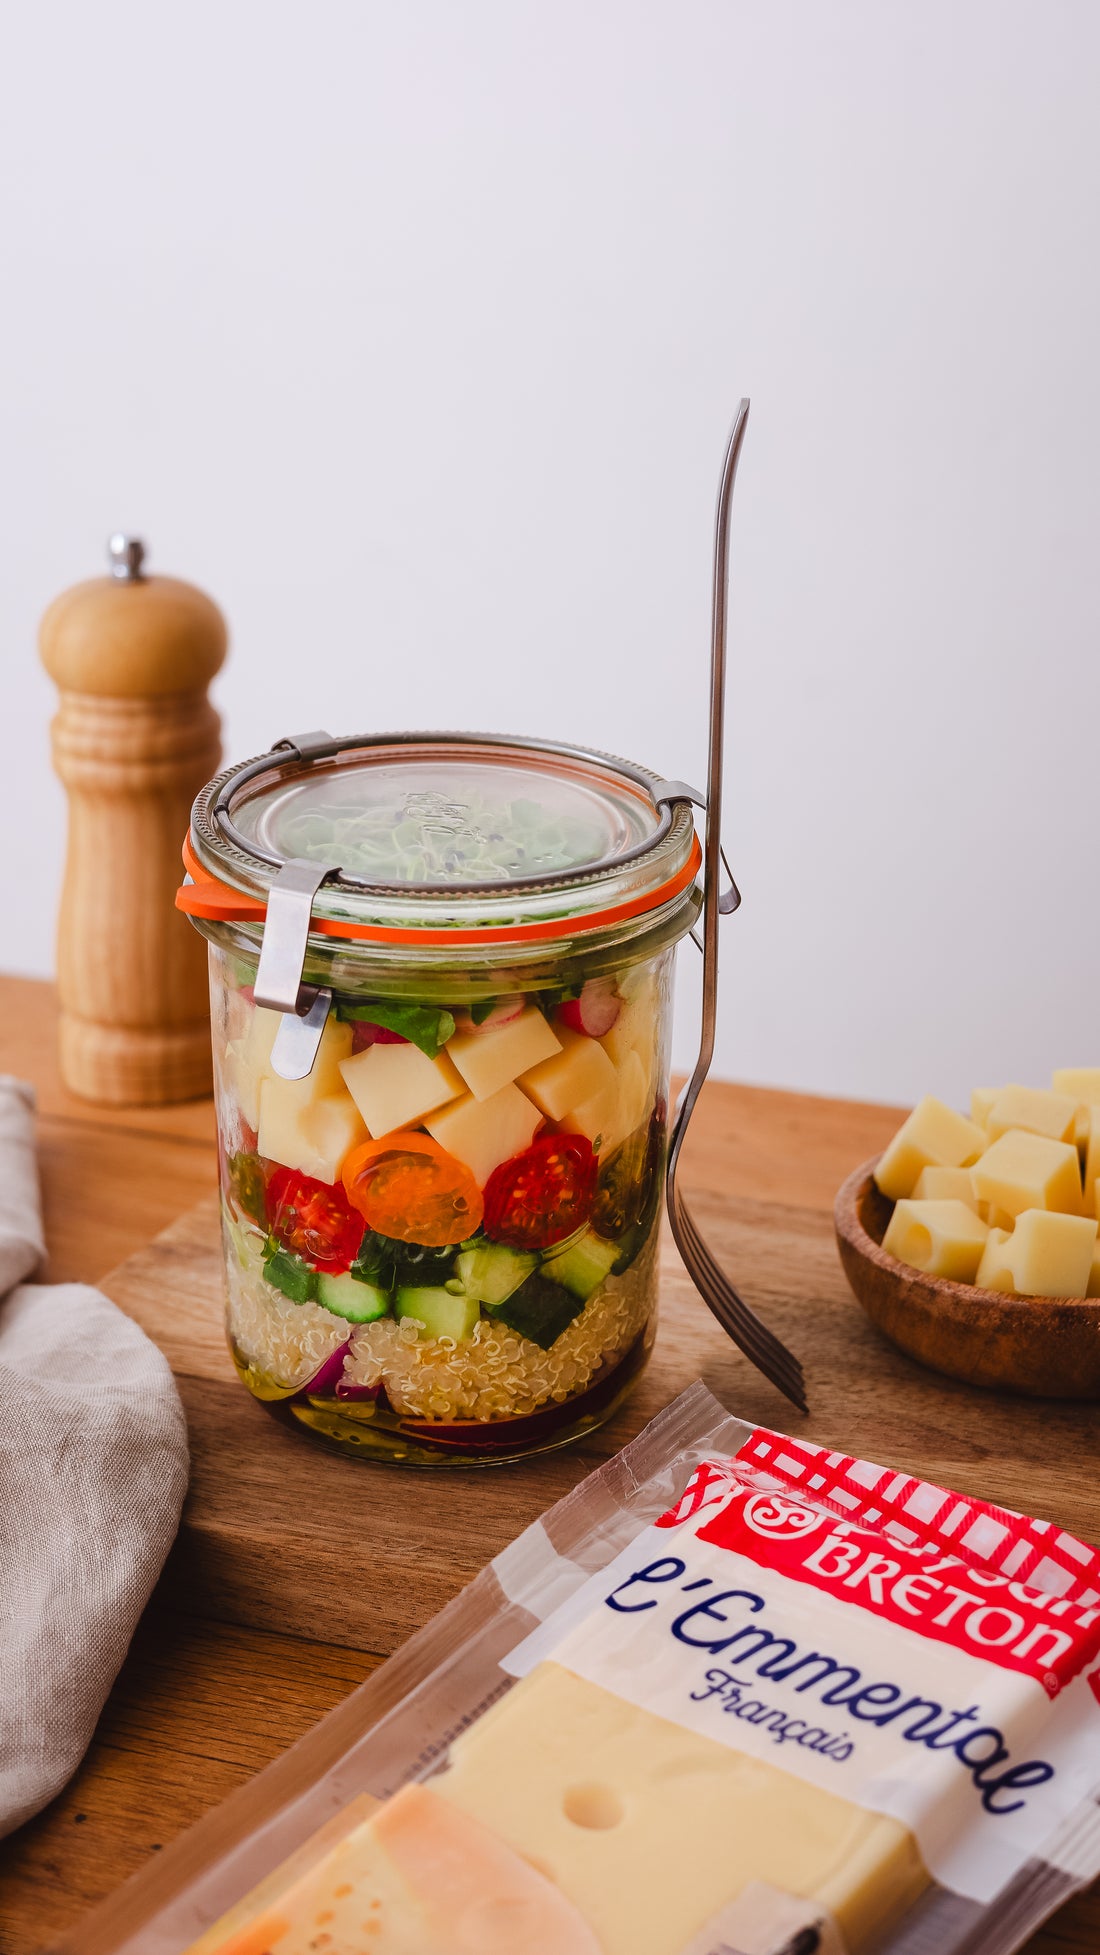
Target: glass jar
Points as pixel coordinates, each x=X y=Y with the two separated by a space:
x=441 y=1239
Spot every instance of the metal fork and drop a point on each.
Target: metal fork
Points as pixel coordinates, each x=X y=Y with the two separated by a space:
x=759 y=1344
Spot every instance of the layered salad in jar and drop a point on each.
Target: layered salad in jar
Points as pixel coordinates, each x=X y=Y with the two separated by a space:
x=442 y=1242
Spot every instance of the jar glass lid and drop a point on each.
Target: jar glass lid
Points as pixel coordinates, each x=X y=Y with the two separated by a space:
x=434 y=820
x=448 y=831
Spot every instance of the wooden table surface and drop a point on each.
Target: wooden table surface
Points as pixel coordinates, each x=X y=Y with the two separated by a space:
x=202 y=1704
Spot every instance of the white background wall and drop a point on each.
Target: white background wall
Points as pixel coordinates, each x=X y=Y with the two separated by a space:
x=412 y=332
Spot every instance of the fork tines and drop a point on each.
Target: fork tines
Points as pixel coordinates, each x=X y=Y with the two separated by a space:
x=759 y=1344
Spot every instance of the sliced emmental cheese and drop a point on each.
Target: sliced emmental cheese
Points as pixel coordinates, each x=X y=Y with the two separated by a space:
x=396 y=1085
x=933 y=1136
x=241 y=1930
x=480 y=1896
x=420 y=1877
x=650 y=1830
x=491 y=1059
x=1034 y=1111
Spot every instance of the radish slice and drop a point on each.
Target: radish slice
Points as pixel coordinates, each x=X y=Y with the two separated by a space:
x=364 y=1034
x=344 y=1390
x=332 y=1370
x=503 y=1012
x=595 y=1011
x=331 y=1378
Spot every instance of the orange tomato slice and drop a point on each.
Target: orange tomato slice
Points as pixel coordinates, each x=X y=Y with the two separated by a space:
x=408 y=1187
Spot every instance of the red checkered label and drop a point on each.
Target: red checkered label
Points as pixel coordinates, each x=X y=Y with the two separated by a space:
x=1000 y=1585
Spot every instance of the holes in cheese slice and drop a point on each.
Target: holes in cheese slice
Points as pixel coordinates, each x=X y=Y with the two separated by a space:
x=597 y=1807
x=417 y=1877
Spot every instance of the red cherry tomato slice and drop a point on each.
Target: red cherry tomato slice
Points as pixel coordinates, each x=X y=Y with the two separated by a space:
x=540 y=1196
x=407 y=1186
x=314 y=1219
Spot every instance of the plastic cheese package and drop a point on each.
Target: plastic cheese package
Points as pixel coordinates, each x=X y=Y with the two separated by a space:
x=735 y=1695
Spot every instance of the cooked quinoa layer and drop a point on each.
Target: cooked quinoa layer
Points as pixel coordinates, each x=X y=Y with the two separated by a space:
x=495 y=1374
x=285 y=1343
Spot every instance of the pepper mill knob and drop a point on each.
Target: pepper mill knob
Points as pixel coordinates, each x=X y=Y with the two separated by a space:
x=125 y=555
x=134 y=739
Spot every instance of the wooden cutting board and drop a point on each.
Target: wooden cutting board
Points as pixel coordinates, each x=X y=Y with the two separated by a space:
x=280 y=1534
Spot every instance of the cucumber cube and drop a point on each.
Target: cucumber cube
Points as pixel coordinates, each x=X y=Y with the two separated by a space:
x=490 y=1271
x=441 y=1314
x=346 y=1296
x=540 y=1310
x=584 y=1265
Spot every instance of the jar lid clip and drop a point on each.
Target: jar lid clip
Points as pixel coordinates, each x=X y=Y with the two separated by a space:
x=667 y=792
x=279 y=984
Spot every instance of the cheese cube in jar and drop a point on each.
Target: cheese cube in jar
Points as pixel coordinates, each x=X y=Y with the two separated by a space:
x=484 y=1133
x=314 y=1135
x=396 y=1085
x=246 y=1060
x=491 y=1056
x=578 y=1070
x=441 y=1239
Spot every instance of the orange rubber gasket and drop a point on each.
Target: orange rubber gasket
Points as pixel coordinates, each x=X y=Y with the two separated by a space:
x=206 y=897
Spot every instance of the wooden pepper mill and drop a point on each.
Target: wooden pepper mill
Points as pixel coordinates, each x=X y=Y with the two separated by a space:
x=134 y=740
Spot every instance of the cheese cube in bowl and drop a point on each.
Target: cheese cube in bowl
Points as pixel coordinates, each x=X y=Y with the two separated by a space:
x=944 y=1237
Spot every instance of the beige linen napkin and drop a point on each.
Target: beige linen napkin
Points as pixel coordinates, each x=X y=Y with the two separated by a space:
x=93 y=1470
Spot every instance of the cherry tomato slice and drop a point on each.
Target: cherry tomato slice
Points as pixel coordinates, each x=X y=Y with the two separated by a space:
x=540 y=1196
x=408 y=1187
x=314 y=1219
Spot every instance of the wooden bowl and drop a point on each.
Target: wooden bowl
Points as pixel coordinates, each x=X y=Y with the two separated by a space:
x=1048 y=1347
